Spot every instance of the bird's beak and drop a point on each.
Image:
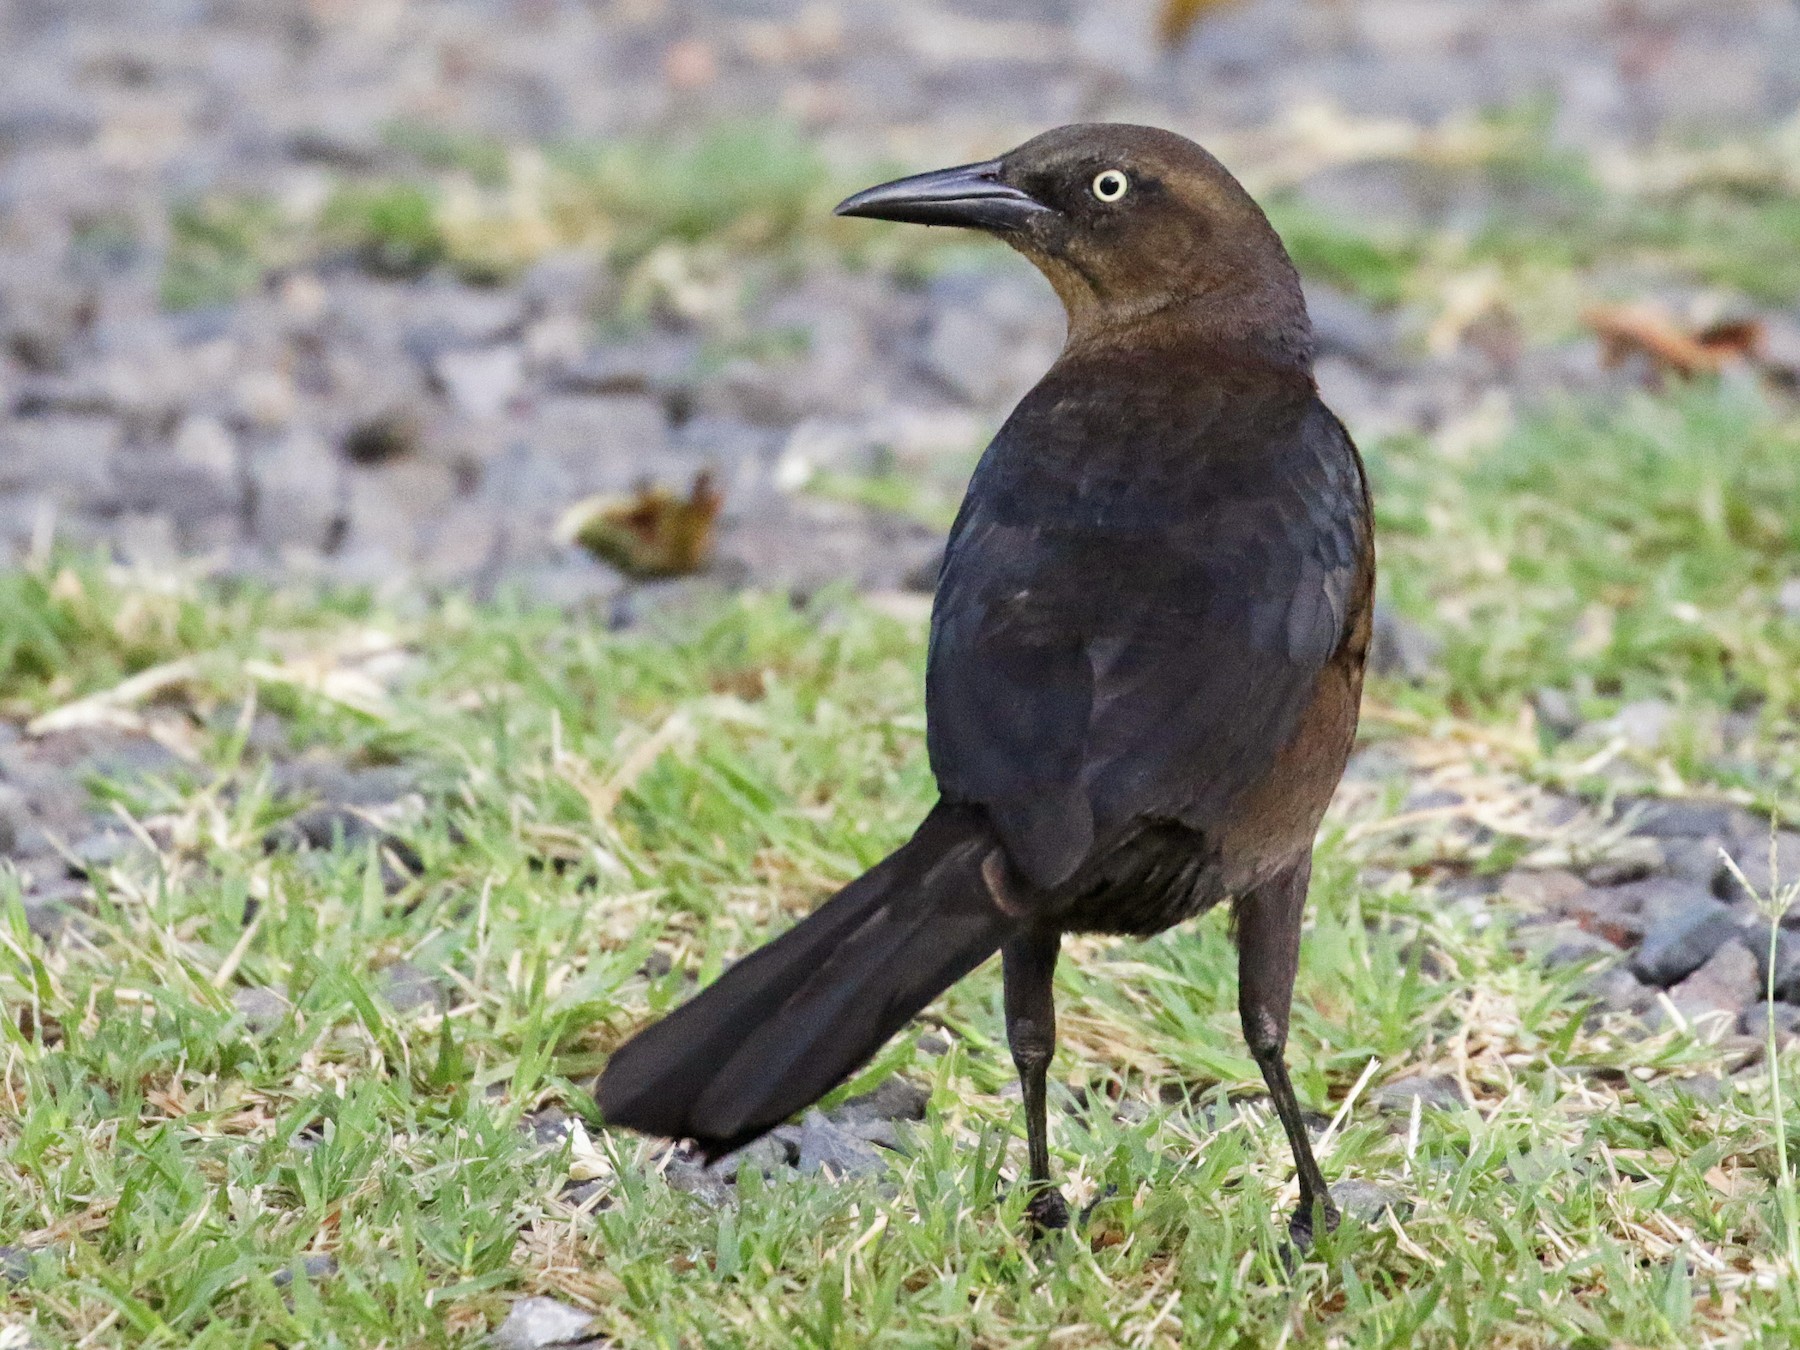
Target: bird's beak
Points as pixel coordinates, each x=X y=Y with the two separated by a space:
x=970 y=195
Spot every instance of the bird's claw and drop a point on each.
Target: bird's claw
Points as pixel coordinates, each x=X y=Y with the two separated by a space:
x=1047 y=1211
x=1300 y=1227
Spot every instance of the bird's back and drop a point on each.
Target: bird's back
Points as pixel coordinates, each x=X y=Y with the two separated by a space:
x=1161 y=558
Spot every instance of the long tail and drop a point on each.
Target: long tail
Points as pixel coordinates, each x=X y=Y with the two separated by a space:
x=792 y=1020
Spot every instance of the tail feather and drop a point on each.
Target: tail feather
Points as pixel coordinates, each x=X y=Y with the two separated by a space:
x=795 y=1018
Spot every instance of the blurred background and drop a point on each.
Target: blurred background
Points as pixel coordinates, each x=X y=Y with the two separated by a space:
x=385 y=291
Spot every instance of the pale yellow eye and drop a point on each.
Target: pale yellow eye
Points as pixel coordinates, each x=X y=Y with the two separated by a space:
x=1111 y=184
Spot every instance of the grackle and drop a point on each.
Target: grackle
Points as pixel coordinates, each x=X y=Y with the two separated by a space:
x=1145 y=663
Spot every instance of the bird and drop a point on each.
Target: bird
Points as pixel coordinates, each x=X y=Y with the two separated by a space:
x=1144 y=667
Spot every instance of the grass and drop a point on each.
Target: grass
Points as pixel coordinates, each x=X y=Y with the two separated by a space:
x=591 y=799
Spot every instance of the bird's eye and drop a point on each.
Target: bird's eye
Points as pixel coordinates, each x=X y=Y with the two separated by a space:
x=1111 y=184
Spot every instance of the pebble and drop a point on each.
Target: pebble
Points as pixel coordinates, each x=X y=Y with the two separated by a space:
x=1786 y=1017
x=1438 y=1091
x=829 y=1148
x=1683 y=940
x=1400 y=649
x=538 y=1323
x=1720 y=990
x=408 y=987
x=263 y=1010
x=1367 y=1201
x=314 y=1265
x=1766 y=875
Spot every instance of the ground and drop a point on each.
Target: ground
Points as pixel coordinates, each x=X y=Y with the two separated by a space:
x=350 y=813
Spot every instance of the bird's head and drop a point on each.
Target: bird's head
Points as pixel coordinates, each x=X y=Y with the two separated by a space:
x=1130 y=224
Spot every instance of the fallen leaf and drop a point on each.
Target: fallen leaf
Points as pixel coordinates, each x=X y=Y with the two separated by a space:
x=650 y=533
x=1176 y=18
x=1650 y=331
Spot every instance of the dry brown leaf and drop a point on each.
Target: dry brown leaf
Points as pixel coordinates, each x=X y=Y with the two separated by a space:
x=650 y=533
x=1650 y=331
x=1175 y=19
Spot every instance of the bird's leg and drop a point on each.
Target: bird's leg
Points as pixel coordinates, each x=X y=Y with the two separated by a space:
x=1029 y=962
x=1268 y=937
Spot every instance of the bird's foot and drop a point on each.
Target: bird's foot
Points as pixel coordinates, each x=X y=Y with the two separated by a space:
x=1300 y=1227
x=1047 y=1211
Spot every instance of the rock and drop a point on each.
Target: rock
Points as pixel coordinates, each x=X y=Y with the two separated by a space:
x=15 y=1264
x=828 y=1148
x=535 y=1323
x=407 y=987
x=15 y=819
x=1629 y=859
x=1642 y=725
x=1616 y=989
x=1565 y=944
x=778 y=1149
x=1699 y=861
x=1766 y=874
x=691 y=1177
x=1787 y=959
x=1438 y=1091
x=1758 y=1015
x=1367 y=1201
x=263 y=1010
x=1399 y=648
x=1545 y=891
x=313 y=1265
x=1686 y=817
x=1557 y=712
x=895 y=1099
x=1720 y=990
x=382 y=439
x=1683 y=940
x=481 y=380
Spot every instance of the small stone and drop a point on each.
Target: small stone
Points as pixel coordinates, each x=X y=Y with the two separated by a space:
x=407 y=987
x=1367 y=1201
x=482 y=381
x=534 y=1323
x=1401 y=649
x=778 y=1149
x=1765 y=874
x=313 y=1265
x=1686 y=817
x=895 y=1099
x=1642 y=725
x=1566 y=944
x=1756 y=1019
x=1439 y=1091
x=692 y=1177
x=382 y=439
x=825 y=1147
x=1617 y=990
x=263 y=1010
x=1628 y=860
x=1547 y=891
x=1699 y=861
x=1557 y=712
x=15 y=819
x=1719 y=990
x=15 y=1264
x=1680 y=943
